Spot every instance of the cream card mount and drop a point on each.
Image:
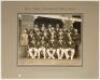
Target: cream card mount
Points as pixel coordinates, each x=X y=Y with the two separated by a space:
x=49 y=39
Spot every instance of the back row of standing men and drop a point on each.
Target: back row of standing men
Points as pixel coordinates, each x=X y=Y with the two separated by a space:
x=51 y=37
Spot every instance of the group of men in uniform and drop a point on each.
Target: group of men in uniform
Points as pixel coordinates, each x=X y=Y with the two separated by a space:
x=48 y=42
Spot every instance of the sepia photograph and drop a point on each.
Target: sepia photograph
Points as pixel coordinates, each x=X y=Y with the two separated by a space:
x=49 y=39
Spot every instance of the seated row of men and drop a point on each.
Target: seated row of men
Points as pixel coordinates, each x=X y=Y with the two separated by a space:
x=51 y=53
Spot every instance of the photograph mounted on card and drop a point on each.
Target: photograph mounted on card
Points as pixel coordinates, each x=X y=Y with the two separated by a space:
x=49 y=39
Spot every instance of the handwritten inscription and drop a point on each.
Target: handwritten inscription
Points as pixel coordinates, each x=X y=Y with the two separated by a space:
x=49 y=9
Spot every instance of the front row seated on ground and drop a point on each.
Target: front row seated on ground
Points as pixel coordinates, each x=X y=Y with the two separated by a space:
x=51 y=53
